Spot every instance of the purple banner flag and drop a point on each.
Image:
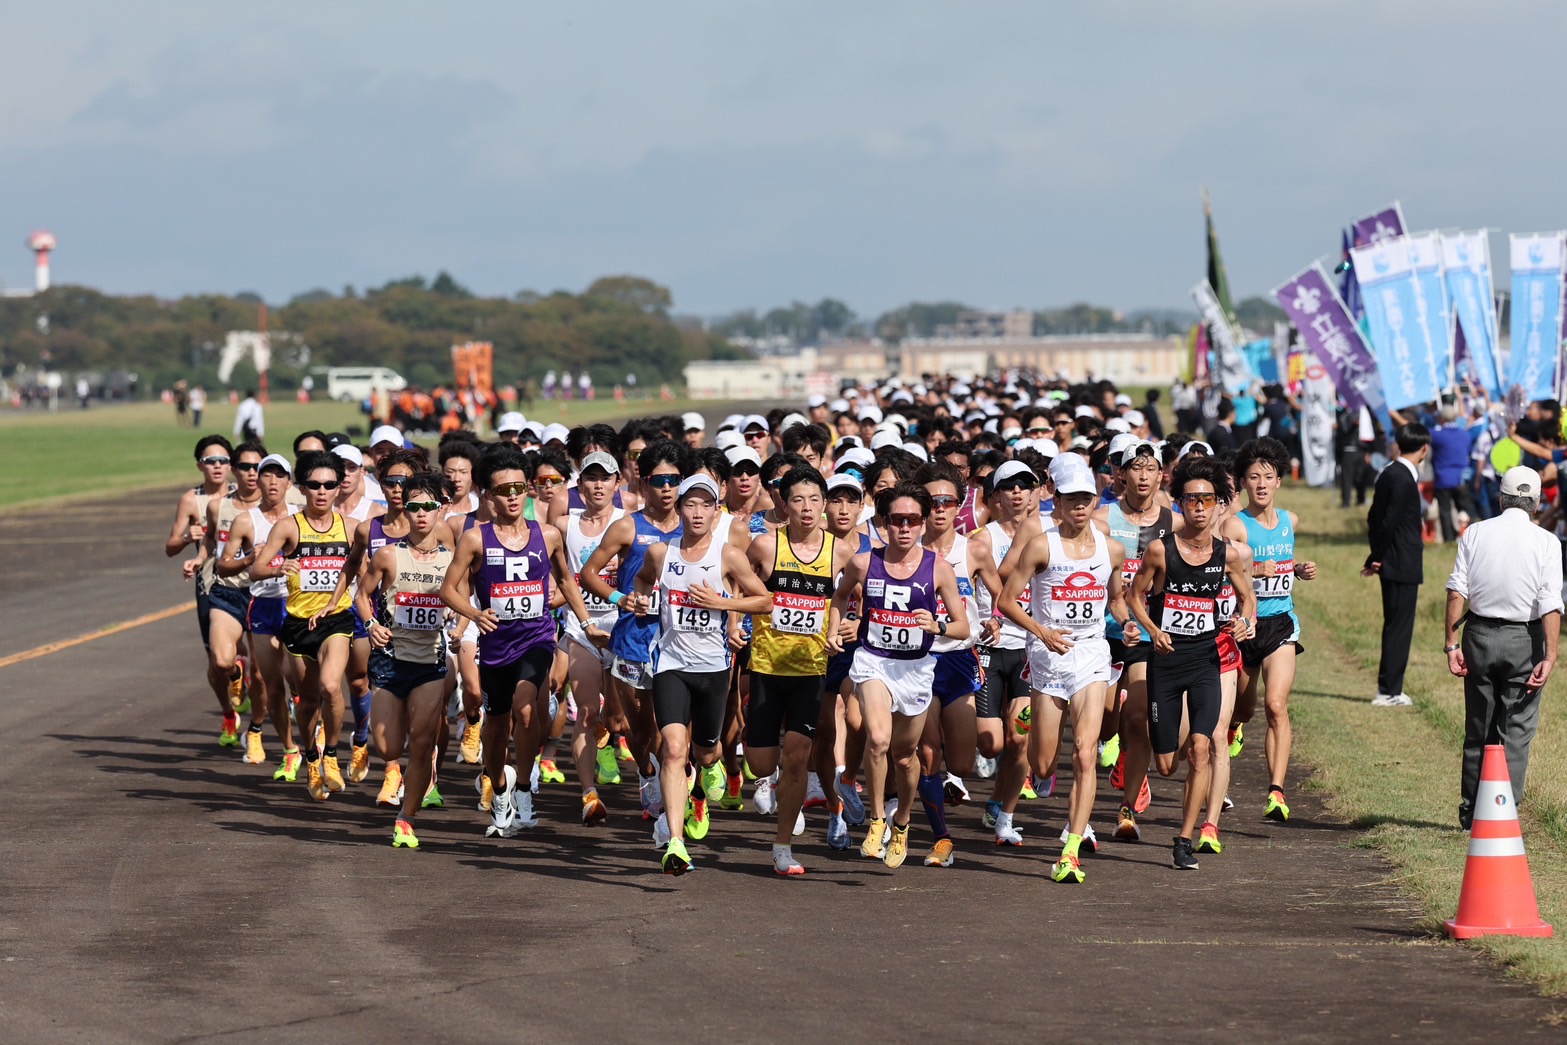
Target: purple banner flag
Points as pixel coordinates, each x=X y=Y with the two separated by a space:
x=1329 y=331
x=1374 y=228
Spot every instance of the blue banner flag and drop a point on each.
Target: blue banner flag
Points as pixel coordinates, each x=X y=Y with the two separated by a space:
x=1395 y=316
x=1466 y=269
x=1536 y=312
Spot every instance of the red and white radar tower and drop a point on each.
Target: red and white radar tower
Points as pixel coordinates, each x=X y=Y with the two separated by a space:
x=41 y=243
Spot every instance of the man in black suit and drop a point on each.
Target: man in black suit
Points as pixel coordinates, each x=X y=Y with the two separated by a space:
x=1397 y=559
x=1222 y=436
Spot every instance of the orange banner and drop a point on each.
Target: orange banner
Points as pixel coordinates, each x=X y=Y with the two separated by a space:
x=474 y=366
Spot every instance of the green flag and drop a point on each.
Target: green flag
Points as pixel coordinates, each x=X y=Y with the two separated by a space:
x=1216 y=277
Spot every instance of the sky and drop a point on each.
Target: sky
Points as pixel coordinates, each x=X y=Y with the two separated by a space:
x=747 y=154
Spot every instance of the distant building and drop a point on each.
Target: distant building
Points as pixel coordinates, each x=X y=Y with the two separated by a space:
x=1018 y=323
x=1126 y=359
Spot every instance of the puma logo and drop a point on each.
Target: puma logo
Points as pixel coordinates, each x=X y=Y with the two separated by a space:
x=924 y=588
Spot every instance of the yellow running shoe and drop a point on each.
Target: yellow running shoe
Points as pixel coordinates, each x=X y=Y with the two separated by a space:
x=486 y=792
x=607 y=770
x=314 y=782
x=1068 y=870
x=1126 y=828
x=332 y=773
x=288 y=769
x=897 y=847
x=469 y=749
x=255 y=753
x=230 y=735
x=1109 y=751
x=872 y=847
x=593 y=811
x=697 y=819
x=237 y=684
x=359 y=765
x=1277 y=808
x=390 y=786
x=432 y=798
x=403 y=836
x=1208 y=841
x=549 y=772
x=1237 y=740
x=623 y=751
x=940 y=854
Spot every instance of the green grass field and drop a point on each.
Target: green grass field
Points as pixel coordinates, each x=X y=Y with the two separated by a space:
x=113 y=449
x=1395 y=771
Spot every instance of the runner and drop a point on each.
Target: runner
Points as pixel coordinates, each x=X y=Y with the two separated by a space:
x=508 y=566
x=1183 y=596
x=691 y=582
x=892 y=670
x=214 y=455
x=798 y=563
x=1074 y=573
x=228 y=598
x=1269 y=656
x=840 y=738
x=399 y=594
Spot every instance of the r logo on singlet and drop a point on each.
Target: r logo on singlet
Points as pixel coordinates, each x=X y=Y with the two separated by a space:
x=898 y=595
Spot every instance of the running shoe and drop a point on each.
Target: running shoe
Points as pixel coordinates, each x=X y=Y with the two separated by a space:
x=955 y=790
x=889 y=812
x=1229 y=803
x=503 y=805
x=732 y=800
x=533 y=777
x=661 y=832
x=255 y=754
x=872 y=847
x=1118 y=772
x=991 y=814
x=314 y=782
x=230 y=735
x=762 y=797
x=332 y=773
x=623 y=751
x=784 y=862
x=390 y=786
x=1028 y=791
x=1237 y=740
x=676 y=860
x=697 y=819
x=799 y=824
x=1006 y=834
x=1090 y=843
x=853 y=804
x=837 y=832
x=814 y=795
x=549 y=772
x=608 y=771
x=593 y=811
x=984 y=768
x=432 y=798
x=403 y=836
x=237 y=686
x=526 y=817
x=940 y=854
x=1182 y=858
x=1208 y=841
x=1144 y=797
x=1046 y=787
x=1110 y=751
x=1277 y=808
x=469 y=748
x=359 y=764
x=244 y=706
x=288 y=769
x=651 y=793
x=486 y=792
x=714 y=783
x=897 y=847
x=1068 y=870
x=1126 y=829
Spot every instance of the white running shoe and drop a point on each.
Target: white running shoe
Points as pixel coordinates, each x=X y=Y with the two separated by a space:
x=1090 y=843
x=799 y=823
x=763 y=798
x=837 y=832
x=853 y=804
x=955 y=790
x=526 y=817
x=892 y=811
x=1391 y=700
x=1006 y=834
x=814 y=795
x=985 y=768
x=533 y=778
x=661 y=835
x=784 y=862
x=503 y=808
x=651 y=792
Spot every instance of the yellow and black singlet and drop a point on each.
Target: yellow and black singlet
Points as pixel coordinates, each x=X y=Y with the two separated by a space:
x=792 y=640
x=321 y=558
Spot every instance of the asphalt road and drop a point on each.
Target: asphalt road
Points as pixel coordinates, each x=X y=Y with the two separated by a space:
x=153 y=888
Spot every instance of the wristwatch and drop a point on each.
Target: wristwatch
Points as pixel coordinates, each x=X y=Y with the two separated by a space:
x=1454 y=646
x=942 y=625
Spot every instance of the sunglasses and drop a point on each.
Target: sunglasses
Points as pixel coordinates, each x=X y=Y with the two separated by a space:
x=632 y=455
x=663 y=482
x=1207 y=500
x=943 y=501
x=320 y=484
x=509 y=490
x=747 y=470
x=1040 y=431
x=213 y=460
x=527 y=440
x=549 y=484
x=753 y=437
x=247 y=466
x=396 y=480
x=423 y=506
x=905 y=522
x=1017 y=484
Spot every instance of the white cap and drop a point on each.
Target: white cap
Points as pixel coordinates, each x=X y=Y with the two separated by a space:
x=1121 y=439
x=843 y=481
x=511 y=422
x=918 y=450
x=1023 y=400
x=899 y=420
x=839 y=406
x=275 y=461
x=554 y=433
x=903 y=397
x=699 y=481
x=1123 y=400
x=815 y=401
x=1117 y=424
x=1521 y=481
x=1189 y=447
x=1012 y=432
x=386 y=434
x=736 y=454
x=1135 y=418
x=535 y=429
x=600 y=459
x=693 y=421
x=920 y=390
x=960 y=389
x=849 y=442
x=870 y=412
x=349 y=452
x=1085 y=411
x=1047 y=447
x=728 y=439
x=1022 y=444
x=1128 y=452
x=990 y=425
x=792 y=420
x=1012 y=470
x=732 y=421
x=1082 y=442
x=1071 y=474
x=859 y=457
x=885 y=438
x=755 y=420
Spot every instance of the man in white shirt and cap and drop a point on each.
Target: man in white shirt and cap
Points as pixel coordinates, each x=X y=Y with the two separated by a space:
x=1506 y=592
x=695 y=429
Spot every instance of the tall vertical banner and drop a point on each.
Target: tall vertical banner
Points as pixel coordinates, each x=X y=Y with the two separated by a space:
x=1385 y=224
x=1229 y=365
x=1425 y=253
x=1316 y=425
x=1466 y=269
x=1394 y=311
x=1536 y=312
x=1330 y=333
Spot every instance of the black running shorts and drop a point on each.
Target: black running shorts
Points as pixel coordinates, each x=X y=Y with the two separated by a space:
x=779 y=703
x=300 y=639
x=694 y=698
x=1189 y=678
x=1006 y=680
x=499 y=682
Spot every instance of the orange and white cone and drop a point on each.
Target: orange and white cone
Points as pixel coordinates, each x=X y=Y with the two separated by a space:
x=1498 y=894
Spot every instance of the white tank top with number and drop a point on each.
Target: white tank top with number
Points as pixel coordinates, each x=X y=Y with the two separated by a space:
x=1012 y=636
x=580 y=548
x=272 y=587
x=957 y=558
x=690 y=638
x=1070 y=594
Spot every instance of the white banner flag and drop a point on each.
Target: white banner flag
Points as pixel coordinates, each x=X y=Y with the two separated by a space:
x=1229 y=366
x=1316 y=425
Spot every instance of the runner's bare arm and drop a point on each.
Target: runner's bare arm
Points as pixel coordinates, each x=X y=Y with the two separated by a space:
x=236 y=553
x=182 y=535
x=641 y=597
x=382 y=564
x=616 y=539
x=947 y=587
x=281 y=541
x=853 y=575
x=354 y=565
x=1237 y=563
x=1150 y=576
x=982 y=567
x=1116 y=606
x=457 y=585
x=760 y=554
x=1027 y=530
x=756 y=598
x=565 y=577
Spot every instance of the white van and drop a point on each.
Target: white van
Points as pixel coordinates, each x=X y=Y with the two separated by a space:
x=353 y=384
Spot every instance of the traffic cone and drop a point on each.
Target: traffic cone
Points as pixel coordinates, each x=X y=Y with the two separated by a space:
x=1498 y=895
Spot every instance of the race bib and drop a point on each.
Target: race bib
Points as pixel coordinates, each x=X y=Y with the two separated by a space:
x=1078 y=605
x=1273 y=580
x=895 y=630
x=517 y=600
x=596 y=606
x=319 y=573
x=1227 y=602
x=1188 y=615
x=417 y=611
x=799 y=614
x=691 y=617
x=1129 y=570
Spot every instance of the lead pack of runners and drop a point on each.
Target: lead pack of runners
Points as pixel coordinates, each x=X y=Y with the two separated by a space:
x=861 y=608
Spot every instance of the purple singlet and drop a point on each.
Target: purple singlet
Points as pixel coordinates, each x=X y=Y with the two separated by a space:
x=516 y=585
x=887 y=623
